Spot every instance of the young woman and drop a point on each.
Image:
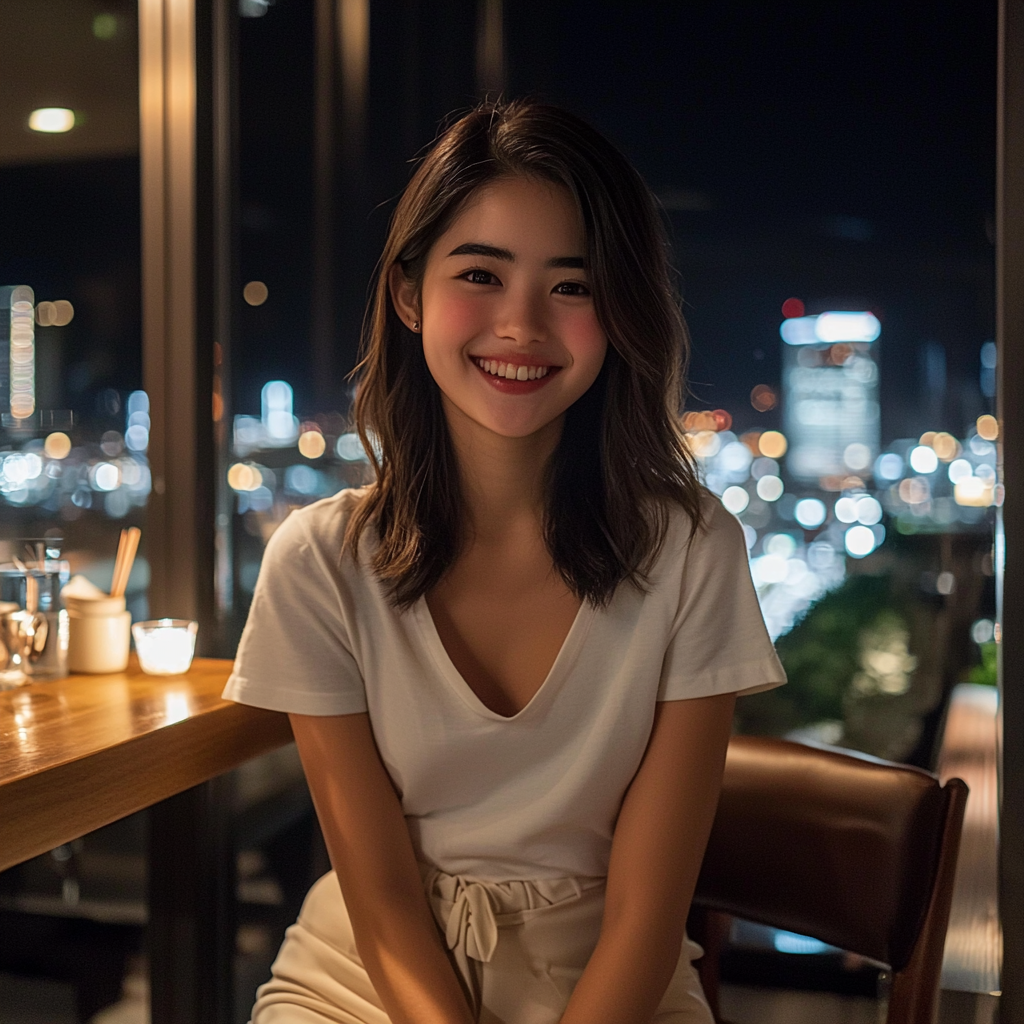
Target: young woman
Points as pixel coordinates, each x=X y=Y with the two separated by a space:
x=510 y=663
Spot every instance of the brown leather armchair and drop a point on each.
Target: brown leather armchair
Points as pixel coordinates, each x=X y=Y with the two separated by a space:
x=854 y=851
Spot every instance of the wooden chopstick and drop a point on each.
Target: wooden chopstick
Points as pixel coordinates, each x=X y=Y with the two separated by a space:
x=127 y=548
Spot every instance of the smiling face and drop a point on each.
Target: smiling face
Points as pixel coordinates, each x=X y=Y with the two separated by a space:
x=509 y=329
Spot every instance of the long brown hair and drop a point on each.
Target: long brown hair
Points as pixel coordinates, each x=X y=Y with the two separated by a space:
x=621 y=461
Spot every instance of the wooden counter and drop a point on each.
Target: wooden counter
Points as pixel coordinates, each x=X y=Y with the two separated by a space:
x=81 y=752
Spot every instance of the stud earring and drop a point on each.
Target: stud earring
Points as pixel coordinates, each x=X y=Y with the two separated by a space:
x=416 y=326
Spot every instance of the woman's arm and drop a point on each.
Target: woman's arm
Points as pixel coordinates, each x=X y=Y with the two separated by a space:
x=371 y=851
x=657 y=850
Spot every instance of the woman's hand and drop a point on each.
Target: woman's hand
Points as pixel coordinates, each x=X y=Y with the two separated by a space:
x=657 y=850
x=371 y=851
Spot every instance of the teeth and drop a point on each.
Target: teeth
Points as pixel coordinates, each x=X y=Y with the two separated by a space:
x=512 y=372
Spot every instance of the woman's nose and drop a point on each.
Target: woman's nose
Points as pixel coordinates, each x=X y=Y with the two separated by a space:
x=521 y=316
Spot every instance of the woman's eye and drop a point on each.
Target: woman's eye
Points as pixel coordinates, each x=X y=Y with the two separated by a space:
x=479 y=277
x=571 y=288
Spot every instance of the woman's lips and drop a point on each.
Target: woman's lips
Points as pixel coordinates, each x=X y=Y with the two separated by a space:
x=496 y=372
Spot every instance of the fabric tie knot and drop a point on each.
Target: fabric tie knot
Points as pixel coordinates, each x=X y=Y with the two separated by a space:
x=472 y=922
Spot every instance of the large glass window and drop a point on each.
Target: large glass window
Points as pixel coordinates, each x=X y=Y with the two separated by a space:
x=74 y=428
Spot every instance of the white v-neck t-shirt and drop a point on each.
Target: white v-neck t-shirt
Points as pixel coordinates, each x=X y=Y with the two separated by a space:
x=535 y=795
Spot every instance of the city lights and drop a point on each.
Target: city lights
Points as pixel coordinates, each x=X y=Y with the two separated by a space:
x=54 y=314
x=833 y=327
x=987 y=427
x=860 y=541
x=770 y=488
x=959 y=469
x=829 y=328
x=350 y=448
x=57 y=446
x=735 y=499
x=868 y=510
x=255 y=293
x=857 y=456
x=973 y=492
x=773 y=444
x=888 y=466
x=945 y=446
x=244 y=476
x=52 y=120
x=280 y=426
x=22 y=352
x=923 y=459
x=763 y=398
x=810 y=513
x=846 y=510
x=312 y=444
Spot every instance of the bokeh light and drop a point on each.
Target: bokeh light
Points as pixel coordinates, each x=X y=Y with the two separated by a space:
x=945 y=446
x=735 y=499
x=57 y=445
x=973 y=492
x=770 y=488
x=958 y=469
x=810 y=512
x=987 y=427
x=255 y=293
x=859 y=541
x=350 y=448
x=982 y=631
x=792 y=308
x=857 y=456
x=763 y=398
x=773 y=444
x=104 y=26
x=243 y=476
x=312 y=444
x=889 y=466
x=923 y=459
x=846 y=510
x=868 y=510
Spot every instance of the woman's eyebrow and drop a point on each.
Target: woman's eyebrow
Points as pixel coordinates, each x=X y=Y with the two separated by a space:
x=497 y=253
x=482 y=249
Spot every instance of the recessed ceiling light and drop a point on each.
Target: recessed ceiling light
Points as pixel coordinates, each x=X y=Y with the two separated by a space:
x=51 y=119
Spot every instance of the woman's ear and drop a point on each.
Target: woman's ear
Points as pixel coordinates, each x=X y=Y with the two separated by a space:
x=404 y=296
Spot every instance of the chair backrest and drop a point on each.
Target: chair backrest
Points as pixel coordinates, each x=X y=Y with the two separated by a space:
x=856 y=852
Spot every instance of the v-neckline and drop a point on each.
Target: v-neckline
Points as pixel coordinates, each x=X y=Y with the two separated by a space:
x=560 y=667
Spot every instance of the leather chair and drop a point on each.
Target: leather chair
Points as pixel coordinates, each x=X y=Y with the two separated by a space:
x=854 y=851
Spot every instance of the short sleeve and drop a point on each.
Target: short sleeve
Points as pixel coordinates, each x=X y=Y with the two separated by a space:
x=295 y=653
x=718 y=641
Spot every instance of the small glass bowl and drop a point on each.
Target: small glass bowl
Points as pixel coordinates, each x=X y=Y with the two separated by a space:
x=165 y=646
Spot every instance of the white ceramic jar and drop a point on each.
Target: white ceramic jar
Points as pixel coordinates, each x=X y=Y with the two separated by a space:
x=100 y=634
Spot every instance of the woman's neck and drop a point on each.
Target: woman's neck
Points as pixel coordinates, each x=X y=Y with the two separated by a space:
x=502 y=477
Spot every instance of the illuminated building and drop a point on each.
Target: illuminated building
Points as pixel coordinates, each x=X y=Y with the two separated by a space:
x=830 y=393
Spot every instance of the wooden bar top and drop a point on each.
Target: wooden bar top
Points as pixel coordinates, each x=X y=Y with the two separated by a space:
x=81 y=752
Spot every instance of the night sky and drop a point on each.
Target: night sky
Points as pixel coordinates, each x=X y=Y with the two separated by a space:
x=842 y=153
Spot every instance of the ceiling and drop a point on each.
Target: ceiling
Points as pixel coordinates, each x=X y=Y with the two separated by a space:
x=54 y=54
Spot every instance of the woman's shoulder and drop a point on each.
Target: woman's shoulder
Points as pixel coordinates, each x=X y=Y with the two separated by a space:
x=318 y=528
x=717 y=529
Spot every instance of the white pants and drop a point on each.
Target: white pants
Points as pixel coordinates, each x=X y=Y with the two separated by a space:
x=520 y=948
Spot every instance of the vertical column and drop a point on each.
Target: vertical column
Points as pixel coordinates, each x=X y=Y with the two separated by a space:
x=187 y=146
x=187 y=73
x=1010 y=530
x=190 y=935
x=167 y=107
x=490 y=49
